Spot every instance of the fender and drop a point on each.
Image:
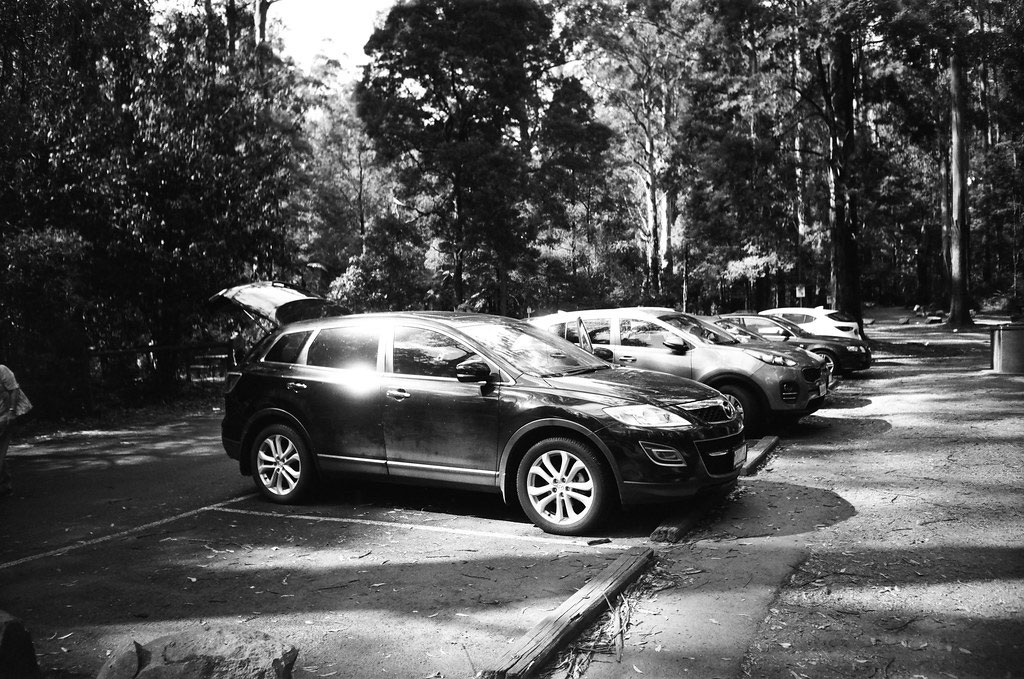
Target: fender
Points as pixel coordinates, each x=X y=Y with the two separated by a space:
x=715 y=379
x=260 y=419
x=552 y=423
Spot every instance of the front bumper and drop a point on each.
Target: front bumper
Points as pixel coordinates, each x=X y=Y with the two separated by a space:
x=850 y=361
x=795 y=391
x=712 y=458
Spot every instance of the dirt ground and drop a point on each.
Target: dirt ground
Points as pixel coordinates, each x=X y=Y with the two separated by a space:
x=923 y=574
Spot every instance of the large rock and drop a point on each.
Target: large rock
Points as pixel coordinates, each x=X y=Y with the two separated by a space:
x=229 y=652
x=17 y=654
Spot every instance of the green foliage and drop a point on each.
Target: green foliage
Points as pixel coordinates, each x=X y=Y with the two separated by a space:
x=500 y=156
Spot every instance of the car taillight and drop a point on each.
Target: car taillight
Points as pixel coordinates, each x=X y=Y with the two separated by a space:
x=845 y=328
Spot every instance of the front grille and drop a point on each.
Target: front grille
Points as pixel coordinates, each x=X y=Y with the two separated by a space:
x=811 y=374
x=709 y=411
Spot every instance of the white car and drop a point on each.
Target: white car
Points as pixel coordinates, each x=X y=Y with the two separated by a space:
x=818 y=321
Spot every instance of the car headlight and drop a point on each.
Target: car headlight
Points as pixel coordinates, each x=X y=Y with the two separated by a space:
x=771 y=359
x=856 y=349
x=648 y=416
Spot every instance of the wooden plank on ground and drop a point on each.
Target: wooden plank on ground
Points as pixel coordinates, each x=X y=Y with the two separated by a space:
x=534 y=649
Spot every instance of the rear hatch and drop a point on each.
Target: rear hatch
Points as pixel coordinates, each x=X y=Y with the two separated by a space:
x=272 y=304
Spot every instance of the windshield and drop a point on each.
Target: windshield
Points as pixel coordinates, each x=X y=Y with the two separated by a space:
x=532 y=350
x=699 y=328
x=792 y=327
x=739 y=332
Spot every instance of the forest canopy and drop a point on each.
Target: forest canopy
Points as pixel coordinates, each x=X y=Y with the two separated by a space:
x=507 y=156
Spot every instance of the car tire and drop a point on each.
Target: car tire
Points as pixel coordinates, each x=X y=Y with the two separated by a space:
x=282 y=466
x=563 y=487
x=748 y=402
x=830 y=359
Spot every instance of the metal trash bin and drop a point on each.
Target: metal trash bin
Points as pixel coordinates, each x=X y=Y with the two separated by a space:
x=1008 y=348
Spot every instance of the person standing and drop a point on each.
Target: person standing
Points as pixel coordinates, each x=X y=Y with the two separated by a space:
x=13 y=403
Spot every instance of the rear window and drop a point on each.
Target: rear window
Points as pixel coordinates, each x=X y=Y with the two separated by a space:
x=841 y=317
x=288 y=347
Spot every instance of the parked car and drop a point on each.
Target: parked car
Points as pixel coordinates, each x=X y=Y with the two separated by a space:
x=473 y=401
x=752 y=339
x=844 y=355
x=818 y=321
x=764 y=382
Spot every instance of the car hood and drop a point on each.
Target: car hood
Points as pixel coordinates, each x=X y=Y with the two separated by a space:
x=643 y=386
x=792 y=350
x=275 y=303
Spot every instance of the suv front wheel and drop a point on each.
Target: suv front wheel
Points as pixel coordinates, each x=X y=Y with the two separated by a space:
x=563 y=487
x=281 y=465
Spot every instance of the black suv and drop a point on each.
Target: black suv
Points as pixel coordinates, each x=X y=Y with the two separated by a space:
x=474 y=401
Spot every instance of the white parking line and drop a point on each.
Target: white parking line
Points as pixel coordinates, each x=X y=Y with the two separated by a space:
x=429 y=529
x=96 y=541
x=222 y=507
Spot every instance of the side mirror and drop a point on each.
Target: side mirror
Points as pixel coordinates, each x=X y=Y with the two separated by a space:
x=473 y=371
x=677 y=345
x=604 y=353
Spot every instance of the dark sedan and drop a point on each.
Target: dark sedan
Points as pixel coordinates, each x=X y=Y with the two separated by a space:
x=845 y=355
x=474 y=401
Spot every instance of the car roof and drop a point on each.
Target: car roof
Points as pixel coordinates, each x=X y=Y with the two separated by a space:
x=450 y=318
x=813 y=311
x=611 y=310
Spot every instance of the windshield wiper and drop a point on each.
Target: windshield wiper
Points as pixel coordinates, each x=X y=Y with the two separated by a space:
x=582 y=370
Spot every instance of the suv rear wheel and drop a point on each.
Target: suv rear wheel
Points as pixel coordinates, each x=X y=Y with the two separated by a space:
x=281 y=465
x=563 y=487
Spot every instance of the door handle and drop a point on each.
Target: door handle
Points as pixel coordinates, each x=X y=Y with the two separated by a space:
x=627 y=359
x=296 y=386
x=398 y=394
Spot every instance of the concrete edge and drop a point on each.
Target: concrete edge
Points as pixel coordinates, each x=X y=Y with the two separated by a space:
x=528 y=656
x=673 y=528
x=757 y=453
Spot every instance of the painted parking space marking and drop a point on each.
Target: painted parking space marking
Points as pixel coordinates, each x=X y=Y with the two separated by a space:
x=223 y=507
x=124 y=533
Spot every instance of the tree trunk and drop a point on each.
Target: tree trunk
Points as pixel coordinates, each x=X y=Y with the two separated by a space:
x=959 y=241
x=232 y=17
x=653 y=219
x=260 y=10
x=839 y=104
x=667 y=259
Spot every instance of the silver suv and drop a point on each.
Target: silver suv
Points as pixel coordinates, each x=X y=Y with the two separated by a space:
x=766 y=383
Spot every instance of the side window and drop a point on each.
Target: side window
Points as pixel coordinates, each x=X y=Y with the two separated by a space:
x=599 y=330
x=288 y=347
x=558 y=329
x=419 y=351
x=758 y=324
x=572 y=332
x=635 y=332
x=349 y=347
